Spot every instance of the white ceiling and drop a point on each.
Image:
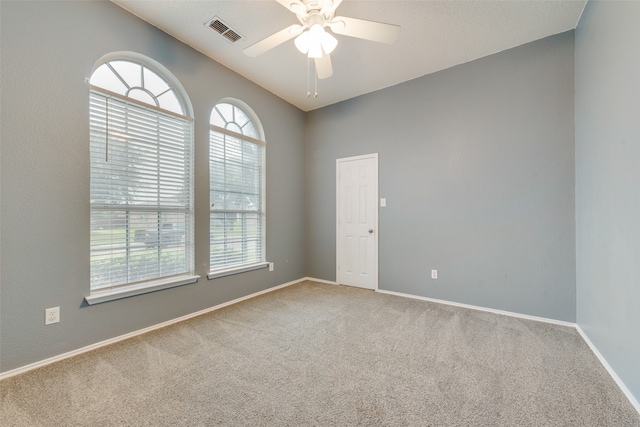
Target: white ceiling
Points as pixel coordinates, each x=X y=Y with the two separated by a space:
x=436 y=34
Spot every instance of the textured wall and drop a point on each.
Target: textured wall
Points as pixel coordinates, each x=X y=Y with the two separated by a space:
x=608 y=183
x=48 y=48
x=477 y=165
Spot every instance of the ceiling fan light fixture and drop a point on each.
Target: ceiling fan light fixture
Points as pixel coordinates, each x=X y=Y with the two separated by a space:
x=329 y=42
x=315 y=51
x=302 y=42
x=314 y=41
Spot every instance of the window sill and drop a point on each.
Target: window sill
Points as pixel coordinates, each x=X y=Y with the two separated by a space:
x=236 y=270
x=142 y=288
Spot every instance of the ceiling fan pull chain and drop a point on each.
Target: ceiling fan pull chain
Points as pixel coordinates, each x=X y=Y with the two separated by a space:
x=315 y=77
x=308 y=83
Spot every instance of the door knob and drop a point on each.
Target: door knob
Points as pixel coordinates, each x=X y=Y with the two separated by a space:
x=370 y=230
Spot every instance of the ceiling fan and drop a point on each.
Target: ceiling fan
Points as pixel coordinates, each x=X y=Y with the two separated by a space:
x=314 y=41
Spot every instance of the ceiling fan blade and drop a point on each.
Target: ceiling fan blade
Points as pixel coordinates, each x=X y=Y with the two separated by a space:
x=324 y=67
x=368 y=30
x=273 y=40
x=295 y=6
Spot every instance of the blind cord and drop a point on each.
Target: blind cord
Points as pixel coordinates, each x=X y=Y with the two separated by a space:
x=106 y=136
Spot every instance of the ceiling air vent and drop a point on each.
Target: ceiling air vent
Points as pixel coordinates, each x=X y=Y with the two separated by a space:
x=223 y=29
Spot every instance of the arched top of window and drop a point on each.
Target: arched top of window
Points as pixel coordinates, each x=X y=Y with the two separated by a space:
x=140 y=78
x=237 y=117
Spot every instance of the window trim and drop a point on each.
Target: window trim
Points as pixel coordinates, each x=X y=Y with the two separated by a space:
x=263 y=263
x=125 y=290
x=237 y=135
x=224 y=272
x=156 y=67
x=109 y=94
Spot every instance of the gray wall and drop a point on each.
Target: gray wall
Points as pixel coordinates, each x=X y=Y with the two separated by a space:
x=608 y=183
x=48 y=48
x=476 y=162
x=477 y=165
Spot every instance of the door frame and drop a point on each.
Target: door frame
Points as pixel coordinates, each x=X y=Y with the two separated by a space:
x=373 y=156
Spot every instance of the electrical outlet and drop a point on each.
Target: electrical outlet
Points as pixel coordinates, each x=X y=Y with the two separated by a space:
x=51 y=315
x=434 y=274
x=271 y=266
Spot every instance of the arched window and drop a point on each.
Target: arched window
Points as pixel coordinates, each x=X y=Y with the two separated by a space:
x=236 y=185
x=141 y=177
x=135 y=80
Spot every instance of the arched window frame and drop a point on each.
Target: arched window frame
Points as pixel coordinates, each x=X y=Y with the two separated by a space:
x=158 y=69
x=225 y=127
x=141 y=184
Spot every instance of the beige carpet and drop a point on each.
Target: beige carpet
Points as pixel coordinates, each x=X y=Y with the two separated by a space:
x=316 y=354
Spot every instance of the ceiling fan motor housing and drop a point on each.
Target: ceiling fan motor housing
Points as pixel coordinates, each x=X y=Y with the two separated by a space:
x=312 y=5
x=313 y=18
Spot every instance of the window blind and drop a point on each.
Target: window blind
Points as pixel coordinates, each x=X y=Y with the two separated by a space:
x=141 y=193
x=236 y=195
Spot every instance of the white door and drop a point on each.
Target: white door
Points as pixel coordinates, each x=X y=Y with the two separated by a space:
x=357 y=221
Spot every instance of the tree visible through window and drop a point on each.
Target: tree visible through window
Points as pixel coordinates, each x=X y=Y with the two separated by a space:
x=141 y=177
x=236 y=170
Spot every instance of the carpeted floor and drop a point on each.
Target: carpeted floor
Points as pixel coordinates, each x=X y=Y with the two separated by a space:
x=317 y=354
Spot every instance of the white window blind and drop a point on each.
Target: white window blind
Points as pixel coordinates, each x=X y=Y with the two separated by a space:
x=236 y=195
x=141 y=192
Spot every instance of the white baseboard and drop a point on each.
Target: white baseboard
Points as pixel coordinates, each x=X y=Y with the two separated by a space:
x=313 y=279
x=475 y=307
x=593 y=348
x=72 y=353
x=91 y=347
x=610 y=370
